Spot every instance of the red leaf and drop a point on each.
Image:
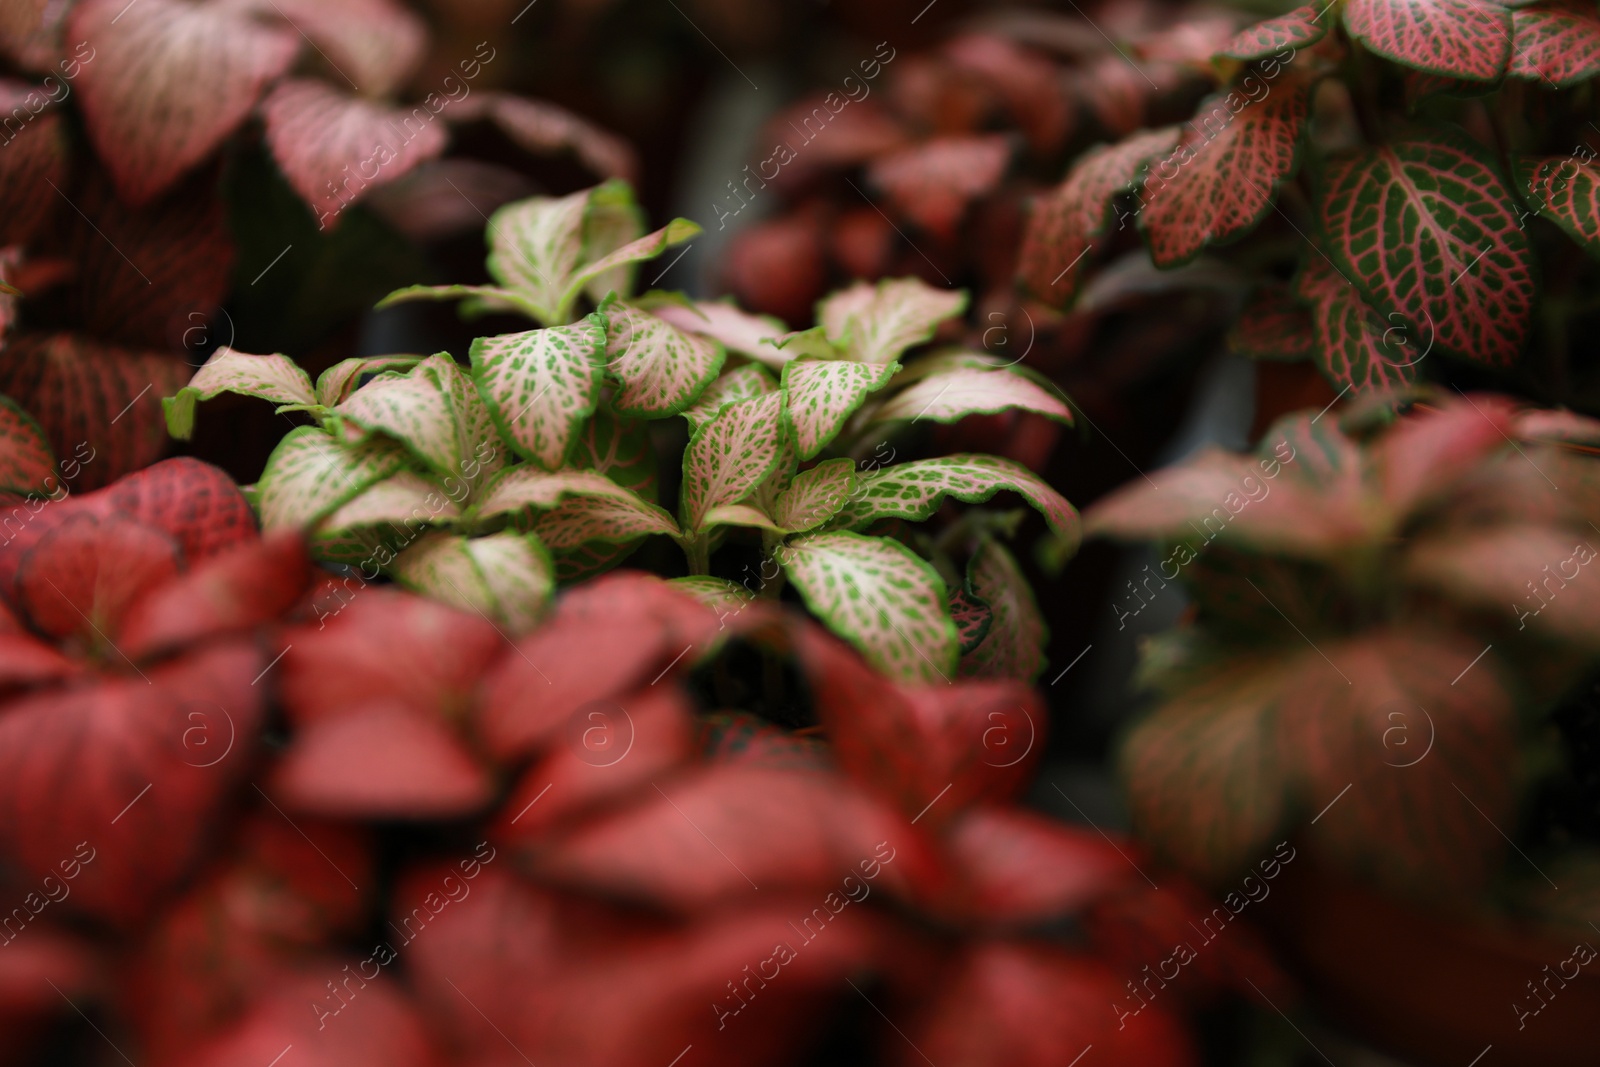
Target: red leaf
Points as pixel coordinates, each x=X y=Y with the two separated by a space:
x=372 y=45
x=1556 y=42
x=1353 y=346
x=740 y=738
x=35 y=157
x=335 y=148
x=386 y=646
x=933 y=183
x=1458 y=38
x=27 y=661
x=1030 y=84
x=695 y=841
x=249 y=584
x=605 y=639
x=1015 y=868
x=1222 y=177
x=1023 y=1005
x=1272 y=326
x=544 y=128
x=30 y=32
x=1300 y=27
x=29 y=966
x=93 y=398
x=1427 y=453
x=82 y=577
x=377 y=1025
x=610 y=749
x=141 y=800
x=512 y=972
x=382 y=760
x=153 y=276
x=935 y=750
x=198 y=504
x=1067 y=221
x=170 y=80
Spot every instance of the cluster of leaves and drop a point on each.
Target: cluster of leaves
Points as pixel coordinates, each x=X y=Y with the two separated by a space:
x=1384 y=159
x=1423 y=571
x=115 y=227
x=395 y=836
x=482 y=487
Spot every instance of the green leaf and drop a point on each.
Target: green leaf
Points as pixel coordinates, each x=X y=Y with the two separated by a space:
x=1468 y=39
x=821 y=396
x=730 y=456
x=647 y=247
x=620 y=449
x=275 y=378
x=335 y=384
x=953 y=395
x=540 y=385
x=507 y=578
x=879 y=596
x=1068 y=221
x=1301 y=27
x=875 y=324
x=1221 y=179
x=1014 y=645
x=1556 y=42
x=581 y=506
x=1354 y=346
x=815 y=496
x=740 y=515
x=1427 y=229
x=800 y=343
x=479 y=299
x=741 y=383
x=435 y=411
x=661 y=368
x=612 y=220
x=310 y=474
x=1563 y=190
x=915 y=490
x=25 y=457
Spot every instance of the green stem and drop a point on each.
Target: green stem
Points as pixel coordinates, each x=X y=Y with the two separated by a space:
x=698 y=551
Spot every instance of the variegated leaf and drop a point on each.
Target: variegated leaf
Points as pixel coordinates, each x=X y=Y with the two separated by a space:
x=730 y=456
x=647 y=247
x=661 y=368
x=1354 y=346
x=915 y=490
x=435 y=411
x=535 y=245
x=1564 y=189
x=405 y=501
x=25 y=457
x=1068 y=220
x=506 y=577
x=620 y=449
x=1556 y=42
x=718 y=594
x=1221 y=179
x=956 y=394
x=276 y=378
x=815 y=496
x=612 y=220
x=541 y=385
x=1427 y=229
x=972 y=618
x=821 y=395
x=311 y=473
x=739 y=515
x=738 y=331
x=1272 y=326
x=1468 y=39
x=335 y=384
x=1017 y=633
x=876 y=324
x=879 y=596
x=741 y=383
x=580 y=506
x=478 y=299
x=1301 y=27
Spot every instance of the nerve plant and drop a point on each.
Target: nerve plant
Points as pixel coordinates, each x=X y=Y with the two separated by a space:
x=1371 y=175
x=1384 y=615
x=481 y=487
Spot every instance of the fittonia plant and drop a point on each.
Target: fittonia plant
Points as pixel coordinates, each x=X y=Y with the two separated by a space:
x=484 y=487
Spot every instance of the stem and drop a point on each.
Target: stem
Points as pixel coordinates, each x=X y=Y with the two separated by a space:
x=698 y=552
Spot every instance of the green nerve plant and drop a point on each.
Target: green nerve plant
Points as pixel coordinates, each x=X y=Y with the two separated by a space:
x=484 y=487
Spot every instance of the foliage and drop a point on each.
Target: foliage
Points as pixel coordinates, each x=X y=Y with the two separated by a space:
x=476 y=486
x=1354 y=676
